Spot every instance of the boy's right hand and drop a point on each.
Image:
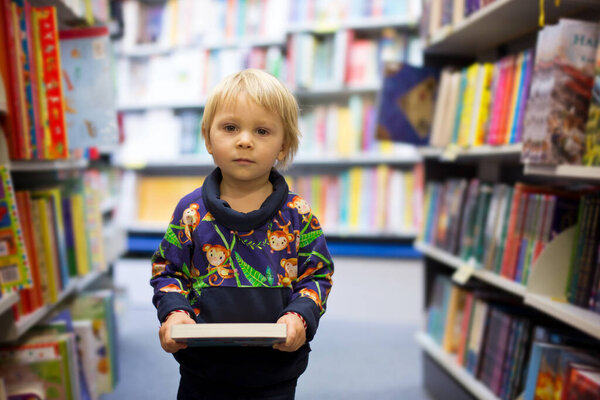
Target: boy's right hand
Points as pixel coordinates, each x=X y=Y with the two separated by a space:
x=164 y=333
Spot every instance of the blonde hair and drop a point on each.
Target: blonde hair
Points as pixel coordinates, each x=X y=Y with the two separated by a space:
x=265 y=90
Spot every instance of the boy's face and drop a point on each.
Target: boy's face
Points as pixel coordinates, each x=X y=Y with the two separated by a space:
x=245 y=139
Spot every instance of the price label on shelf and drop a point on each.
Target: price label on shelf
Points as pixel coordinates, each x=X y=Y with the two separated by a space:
x=451 y=152
x=463 y=274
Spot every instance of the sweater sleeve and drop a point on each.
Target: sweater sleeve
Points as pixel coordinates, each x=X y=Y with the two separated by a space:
x=171 y=278
x=315 y=268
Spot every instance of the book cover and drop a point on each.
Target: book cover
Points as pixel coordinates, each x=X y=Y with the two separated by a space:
x=523 y=95
x=476 y=335
x=591 y=155
x=560 y=93
x=48 y=240
x=232 y=334
x=14 y=266
x=583 y=384
x=406 y=104
x=25 y=216
x=468 y=104
x=91 y=118
x=49 y=73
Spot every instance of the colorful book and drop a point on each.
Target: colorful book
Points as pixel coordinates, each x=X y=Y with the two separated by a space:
x=90 y=112
x=406 y=104
x=14 y=266
x=52 y=102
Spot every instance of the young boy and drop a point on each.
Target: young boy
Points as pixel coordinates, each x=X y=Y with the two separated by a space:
x=242 y=248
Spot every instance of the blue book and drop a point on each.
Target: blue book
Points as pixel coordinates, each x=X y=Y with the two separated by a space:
x=406 y=104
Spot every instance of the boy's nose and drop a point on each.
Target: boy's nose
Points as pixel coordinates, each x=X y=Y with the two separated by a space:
x=244 y=139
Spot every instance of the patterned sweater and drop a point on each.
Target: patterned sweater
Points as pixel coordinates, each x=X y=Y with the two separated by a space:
x=225 y=266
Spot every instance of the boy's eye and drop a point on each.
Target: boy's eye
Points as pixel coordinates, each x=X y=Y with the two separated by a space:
x=262 y=131
x=229 y=128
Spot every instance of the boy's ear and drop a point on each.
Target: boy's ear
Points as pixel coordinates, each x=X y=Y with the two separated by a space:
x=206 y=140
x=283 y=152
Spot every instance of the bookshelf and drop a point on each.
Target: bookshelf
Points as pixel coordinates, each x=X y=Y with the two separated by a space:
x=499 y=28
x=338 y=28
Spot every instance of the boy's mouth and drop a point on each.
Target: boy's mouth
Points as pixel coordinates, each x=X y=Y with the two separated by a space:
x=243 y=161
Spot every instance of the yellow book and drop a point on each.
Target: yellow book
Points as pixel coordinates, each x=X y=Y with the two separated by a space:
x=49 y=248
x=467 y=105
x=383 y=176
x=94 y=221
x=355 y=197
x=82 y=253
x=484 y=105
x=44 y=268
x=515 y=96
x=346 y=134
x=158 y=196
x=316 y=185
x=43 y=148
x=452 y=331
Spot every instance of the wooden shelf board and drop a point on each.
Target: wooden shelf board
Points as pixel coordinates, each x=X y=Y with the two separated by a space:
x=564 y=171
x=580 y=318
x=448 y=362
x=487 y=28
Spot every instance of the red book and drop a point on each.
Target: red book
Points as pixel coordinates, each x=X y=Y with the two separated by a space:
x=504 y=116
x=46 y=36
x=516 y=211
x=16 y=125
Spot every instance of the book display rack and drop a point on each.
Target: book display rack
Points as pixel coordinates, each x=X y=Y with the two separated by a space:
x=480 y=302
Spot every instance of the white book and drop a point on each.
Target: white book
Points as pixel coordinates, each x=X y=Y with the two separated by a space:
x=229 y=334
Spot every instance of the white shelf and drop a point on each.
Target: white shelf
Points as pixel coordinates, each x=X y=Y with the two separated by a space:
x=359 y=24
x=401 y=157
x=159 y=228
x=448 y=362
x=580 y=318
x=483 y=275
x=12 y=330
x=487 y=28
x=47 y=165
x=487 y=151
x=7 y=301
x=155 y=106
x=564 y=171
x=336 y=91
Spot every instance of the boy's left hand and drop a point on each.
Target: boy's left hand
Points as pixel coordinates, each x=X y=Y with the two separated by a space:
x=296 y=334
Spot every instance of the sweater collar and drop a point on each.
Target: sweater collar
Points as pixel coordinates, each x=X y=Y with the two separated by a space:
x=235 y=220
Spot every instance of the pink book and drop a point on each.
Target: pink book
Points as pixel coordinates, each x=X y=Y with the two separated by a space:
x=498 y=99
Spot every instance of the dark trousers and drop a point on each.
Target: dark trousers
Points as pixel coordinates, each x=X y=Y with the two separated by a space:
x=190 y=388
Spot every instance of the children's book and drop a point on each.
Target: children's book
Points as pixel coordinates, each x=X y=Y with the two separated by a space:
x=232 y=334
x=14 y=267
x=90 y=110
x=406 y=104
x=592 y=128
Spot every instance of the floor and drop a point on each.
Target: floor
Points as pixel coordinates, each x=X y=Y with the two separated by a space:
x=364 y=348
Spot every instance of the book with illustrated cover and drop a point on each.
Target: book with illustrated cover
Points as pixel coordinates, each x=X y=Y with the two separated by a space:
x=232 y=334
x=90 y=108
x=592 y=128
x=406 y=104
x=561 y=89
x=14 y=266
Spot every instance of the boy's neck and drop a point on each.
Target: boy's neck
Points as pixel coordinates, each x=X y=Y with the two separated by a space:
x=245 y=199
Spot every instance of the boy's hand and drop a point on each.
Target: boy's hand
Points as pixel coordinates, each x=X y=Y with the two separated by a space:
x=296 y=334
x=164 y=333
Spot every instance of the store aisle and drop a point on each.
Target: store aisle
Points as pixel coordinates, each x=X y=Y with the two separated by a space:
x=364 y=348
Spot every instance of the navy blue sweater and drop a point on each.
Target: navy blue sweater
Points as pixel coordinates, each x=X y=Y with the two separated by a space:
x=225 y=266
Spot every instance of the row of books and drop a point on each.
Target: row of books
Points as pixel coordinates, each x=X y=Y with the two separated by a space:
x=52 y=234
x=441 y=14
x=59 y=90
x=174 y=23
x=72 y=356
x=335 y=129
x=504 y=229
x=381 y=200
x=357 y=200
x=329 y=13
x=346 y=58
x=546 y=98
x=186 y=75
x=508 y=348
x=483 y=103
